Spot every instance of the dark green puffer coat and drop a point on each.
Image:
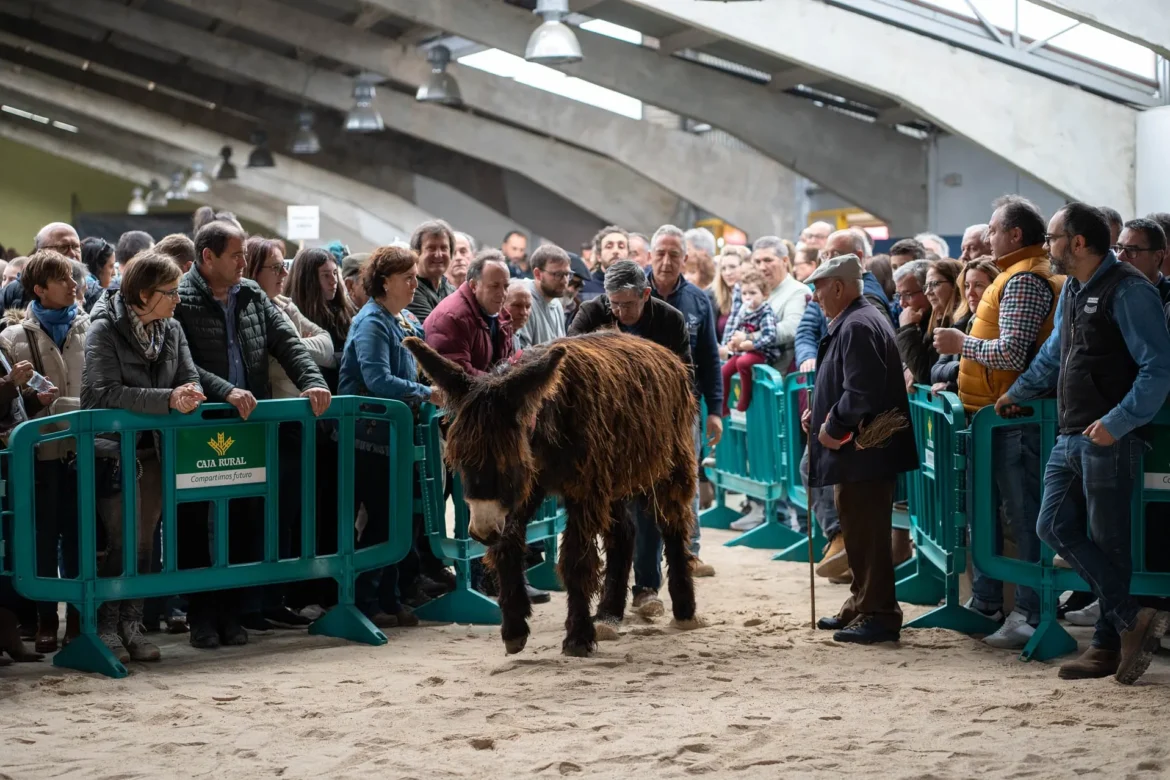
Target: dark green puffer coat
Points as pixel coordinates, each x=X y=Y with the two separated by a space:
x=261 y=330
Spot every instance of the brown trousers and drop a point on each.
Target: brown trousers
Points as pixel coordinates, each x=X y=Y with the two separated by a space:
x=864 y=509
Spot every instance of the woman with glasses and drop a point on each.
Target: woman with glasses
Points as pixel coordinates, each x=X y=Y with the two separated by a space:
x=946 y=301
x=137 y=360
x=975 y=278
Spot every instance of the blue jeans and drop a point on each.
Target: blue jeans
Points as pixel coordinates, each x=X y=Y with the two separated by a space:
x=1016 y=468
x=648 y=539
x=1089 y=488
x=824 y=506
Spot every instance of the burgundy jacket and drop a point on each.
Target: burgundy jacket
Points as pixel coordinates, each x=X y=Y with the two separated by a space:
x=458 y=330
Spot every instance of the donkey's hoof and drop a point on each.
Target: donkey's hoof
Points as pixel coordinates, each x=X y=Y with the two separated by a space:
x=689 y=625
x=515 y=645
x=577 y=651
x=605 y=630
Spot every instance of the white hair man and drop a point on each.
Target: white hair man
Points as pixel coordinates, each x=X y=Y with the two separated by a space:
x=700 y=265
x=935 y=243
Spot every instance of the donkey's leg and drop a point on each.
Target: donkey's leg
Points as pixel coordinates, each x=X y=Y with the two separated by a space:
x=676 y=519
x=507 y=557
x=619 y=557
x=580 y=570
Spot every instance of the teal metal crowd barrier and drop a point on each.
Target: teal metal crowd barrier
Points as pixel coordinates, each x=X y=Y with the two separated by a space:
x=937 y=514
x=212 y=456
x=1152 y=488
x=797 y=395
x=465 y=604
x=748 y=460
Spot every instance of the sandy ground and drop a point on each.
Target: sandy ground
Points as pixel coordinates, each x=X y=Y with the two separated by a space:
x=755 y=694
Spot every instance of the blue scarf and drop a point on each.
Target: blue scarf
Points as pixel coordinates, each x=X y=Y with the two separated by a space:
x=56 y=322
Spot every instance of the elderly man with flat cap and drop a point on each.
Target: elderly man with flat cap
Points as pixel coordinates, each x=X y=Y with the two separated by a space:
x=861 y=441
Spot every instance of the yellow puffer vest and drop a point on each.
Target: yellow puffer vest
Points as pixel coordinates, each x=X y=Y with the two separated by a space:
x=979 y=385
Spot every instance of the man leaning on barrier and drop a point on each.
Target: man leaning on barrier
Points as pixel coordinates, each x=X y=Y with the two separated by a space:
x=1109 y=360
x=862 y=441
x=231 y=328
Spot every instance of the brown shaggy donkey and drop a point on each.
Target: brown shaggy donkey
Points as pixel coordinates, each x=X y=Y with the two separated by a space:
x=597 y=420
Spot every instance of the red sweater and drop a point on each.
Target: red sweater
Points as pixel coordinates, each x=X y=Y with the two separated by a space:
x=459 y=331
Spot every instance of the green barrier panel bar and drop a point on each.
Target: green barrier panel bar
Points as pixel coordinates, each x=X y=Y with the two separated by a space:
x=246 y=472
x=797 y=386
x=934 y=494
x=465 y=604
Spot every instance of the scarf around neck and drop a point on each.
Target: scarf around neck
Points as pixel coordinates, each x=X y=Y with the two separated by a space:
x=150 y=337
x=55 y=322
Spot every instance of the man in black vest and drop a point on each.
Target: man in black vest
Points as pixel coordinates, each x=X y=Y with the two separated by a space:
x=1109 y=360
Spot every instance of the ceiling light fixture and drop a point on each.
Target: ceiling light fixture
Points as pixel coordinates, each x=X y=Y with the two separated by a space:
x=178 y=188
x=305 y=141
x=363 y=117
x=137 y=205
x=441 y=86
x=260 y=157
x=553 y=42
x=226 y=170
x=197 y=181
x=155 y=197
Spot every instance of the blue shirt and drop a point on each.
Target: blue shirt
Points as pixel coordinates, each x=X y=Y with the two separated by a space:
x=696 y=310
x=237 y=374
x=1137 y=310
x=375 y=363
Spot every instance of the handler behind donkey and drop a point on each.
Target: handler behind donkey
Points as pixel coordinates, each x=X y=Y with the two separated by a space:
x=863 y=441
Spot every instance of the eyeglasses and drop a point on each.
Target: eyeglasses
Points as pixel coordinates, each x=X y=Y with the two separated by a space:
x=1050 y=237
x=625 y=305
x=556 y=274
x=932 y=286
x=279 y=268
x=906 y=296
x=172 y=293
x=1130 y=250
x=64 y=248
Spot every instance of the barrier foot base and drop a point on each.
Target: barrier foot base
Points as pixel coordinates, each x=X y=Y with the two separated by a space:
x=955 y=617
x=461 y=606
x=87 y=653
x=924 y=588
x=798 y=551
x=544 y=576
x=345 y=621
x=1049 y=641
x=769 y=536
x=718 y=516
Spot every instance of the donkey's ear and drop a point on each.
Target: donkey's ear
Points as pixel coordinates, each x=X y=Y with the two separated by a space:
x=531 y=381
x=450 y=377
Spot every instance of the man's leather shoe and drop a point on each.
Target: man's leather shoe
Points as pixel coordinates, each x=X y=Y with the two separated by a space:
x=834 y=623
x=866 y=631
x=1092 y=664
x=536 y=595
x=1139 y=644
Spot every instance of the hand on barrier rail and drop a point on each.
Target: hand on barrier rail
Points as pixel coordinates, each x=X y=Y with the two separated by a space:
x=319 y=399
x=938 y=387
x=1006 y=407
x=186 y=398
x=244 y=402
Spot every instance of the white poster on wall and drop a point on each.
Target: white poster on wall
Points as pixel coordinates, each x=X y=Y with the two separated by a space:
x=304 y=223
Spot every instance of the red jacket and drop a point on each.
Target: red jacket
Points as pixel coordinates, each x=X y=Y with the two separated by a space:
x=458 y=330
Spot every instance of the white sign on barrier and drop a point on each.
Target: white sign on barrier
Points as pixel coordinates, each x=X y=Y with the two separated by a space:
x=304 y=223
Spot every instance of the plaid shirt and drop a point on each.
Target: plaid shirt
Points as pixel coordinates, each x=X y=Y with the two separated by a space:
x=1026 y=301
x=758 y=325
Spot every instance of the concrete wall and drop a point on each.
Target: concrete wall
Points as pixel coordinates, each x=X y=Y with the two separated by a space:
x=1153 y=163
x=566 y=225
x=37 y=188
x=464 y=213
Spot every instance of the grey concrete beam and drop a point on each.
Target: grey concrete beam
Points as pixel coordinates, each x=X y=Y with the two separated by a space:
x=785 y=80
x=253 y=206
x=685 y=39
x=752 y=192
x=1032 y=122
x=378 y=216
x=874 y=167
x=596 y=184
x=1145 y=22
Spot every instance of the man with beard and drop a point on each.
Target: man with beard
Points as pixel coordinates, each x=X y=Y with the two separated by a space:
x=611 y=244
x=515 y=249
x=1108 y=359
x=550 y=272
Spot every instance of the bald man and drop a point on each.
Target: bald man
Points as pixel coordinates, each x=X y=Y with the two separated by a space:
x=975 y=243
x=56 y=236
x=816 y=234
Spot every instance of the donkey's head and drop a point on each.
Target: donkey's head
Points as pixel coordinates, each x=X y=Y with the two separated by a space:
x=488 y=441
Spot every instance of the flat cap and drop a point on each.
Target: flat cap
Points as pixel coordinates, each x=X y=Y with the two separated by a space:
x=846 y=267
x=352 y=264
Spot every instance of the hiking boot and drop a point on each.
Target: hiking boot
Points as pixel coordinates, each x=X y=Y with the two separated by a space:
x=834 y=623
x=986 y=610
x=138 y=647
x=1084 y=617
x=900 y=548
x=700 y=569
x=107 y=630
x=647 y=604
x=1093 y=663
x=46 y=640
x=1139 y=643
x=834 y=562
x=384 y=620
x=1013 y=634
x=866 y=631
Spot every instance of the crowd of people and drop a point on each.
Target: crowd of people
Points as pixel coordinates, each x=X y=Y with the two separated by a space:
x=221 y=316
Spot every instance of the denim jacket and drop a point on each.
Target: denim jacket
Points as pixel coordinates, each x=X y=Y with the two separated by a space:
x=375 y=363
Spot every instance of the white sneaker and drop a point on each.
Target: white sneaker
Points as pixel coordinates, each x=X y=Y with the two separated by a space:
x=1084 y=617
x=709 y=462
x=751 y=520
x=1013 y=634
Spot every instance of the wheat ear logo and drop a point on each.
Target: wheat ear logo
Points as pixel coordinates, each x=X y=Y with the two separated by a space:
x=220 y=444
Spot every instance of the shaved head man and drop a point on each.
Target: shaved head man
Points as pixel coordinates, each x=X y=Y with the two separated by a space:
x=60 y=237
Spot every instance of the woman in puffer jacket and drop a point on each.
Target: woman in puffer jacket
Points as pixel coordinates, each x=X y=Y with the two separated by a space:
x=138 y=361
